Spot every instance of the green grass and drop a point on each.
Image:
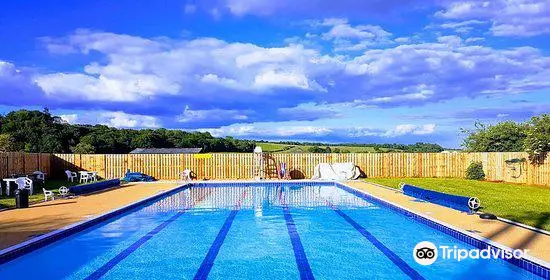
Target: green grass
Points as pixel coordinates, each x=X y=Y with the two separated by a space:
x=526 y=204
x=284 y=148
x=54 y=185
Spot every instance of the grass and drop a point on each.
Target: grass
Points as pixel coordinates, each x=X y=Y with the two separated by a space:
x=284 y=148
x=521 y=203
x=54 y=185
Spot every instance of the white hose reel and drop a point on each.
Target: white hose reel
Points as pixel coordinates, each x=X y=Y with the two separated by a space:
x=63 y=191
x=474 y=203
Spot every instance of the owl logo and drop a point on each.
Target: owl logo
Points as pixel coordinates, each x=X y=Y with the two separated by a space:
x=425 y=253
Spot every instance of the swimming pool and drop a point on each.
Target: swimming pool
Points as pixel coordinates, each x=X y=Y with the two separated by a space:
x=275 y=230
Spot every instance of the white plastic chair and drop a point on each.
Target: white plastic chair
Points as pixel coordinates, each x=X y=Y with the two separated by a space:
x=24 y=183
x=47 y=194
x=63 y=191
x=186 y=175
x=84 y=177
x=70 y=175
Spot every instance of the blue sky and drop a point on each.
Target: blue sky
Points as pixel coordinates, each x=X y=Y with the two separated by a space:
x=321 y=70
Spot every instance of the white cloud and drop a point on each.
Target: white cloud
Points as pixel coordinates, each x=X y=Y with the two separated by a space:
x=115 y=119
x=17 y=87
x=266 y=129
x=474 y=40
x=272 y=78
x=69 y=118
x=451 y=40
x=462 y=27
x=402 y=40
x=138 y=68
x=121 y=119
x=467 y=23
x=404 y=129
x=519 y=18
x=301 y=130
x=160 y=76
x=353 y=38
x=232 y=130
x=425 y=129
x=108 y=86
x=213 y=114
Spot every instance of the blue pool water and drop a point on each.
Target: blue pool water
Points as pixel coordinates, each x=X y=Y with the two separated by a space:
x=254 y=232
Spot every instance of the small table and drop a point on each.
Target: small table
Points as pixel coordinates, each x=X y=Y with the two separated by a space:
x=93 y=175
x=8 y=181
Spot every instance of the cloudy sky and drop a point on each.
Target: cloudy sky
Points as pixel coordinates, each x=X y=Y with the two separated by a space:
x=319 y=70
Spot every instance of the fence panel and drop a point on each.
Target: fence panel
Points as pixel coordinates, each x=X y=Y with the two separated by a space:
x=301 y=165
x=24 y=163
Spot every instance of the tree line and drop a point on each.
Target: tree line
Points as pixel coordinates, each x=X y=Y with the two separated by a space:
x=41 y=132
x=532 y=136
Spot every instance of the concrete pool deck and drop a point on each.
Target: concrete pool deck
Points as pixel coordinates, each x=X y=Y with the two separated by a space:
x=19 y=225
x=506 y=234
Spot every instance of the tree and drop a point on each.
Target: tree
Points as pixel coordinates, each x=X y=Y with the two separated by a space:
x=34 y=131
x=6 y=143
x=537 y=142
x=506 y=136
x=315 y=149
x=421 y=147
x=83 y=148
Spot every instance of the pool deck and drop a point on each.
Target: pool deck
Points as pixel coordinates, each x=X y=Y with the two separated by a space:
x=506 y=234
x=19 y=225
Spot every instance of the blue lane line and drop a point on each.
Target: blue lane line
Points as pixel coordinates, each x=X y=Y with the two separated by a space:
x=299 y=253
x=413 y=274
x=208 y=261
x=122 y=255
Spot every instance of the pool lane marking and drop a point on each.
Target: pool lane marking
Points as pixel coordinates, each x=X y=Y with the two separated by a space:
x=413 y=274
x=208 y=261
x=299 y=254
x=128 y=251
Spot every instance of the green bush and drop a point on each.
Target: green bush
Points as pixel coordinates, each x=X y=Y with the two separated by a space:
x=475 y=171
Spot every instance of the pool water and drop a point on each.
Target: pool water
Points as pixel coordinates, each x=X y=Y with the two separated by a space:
x=254 y=232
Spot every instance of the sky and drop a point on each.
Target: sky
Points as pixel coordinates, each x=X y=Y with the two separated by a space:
x=347 y=71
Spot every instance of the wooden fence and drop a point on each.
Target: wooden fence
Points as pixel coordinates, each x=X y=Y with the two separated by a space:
x=166 y=166
x=239 y=166
x=23 y=163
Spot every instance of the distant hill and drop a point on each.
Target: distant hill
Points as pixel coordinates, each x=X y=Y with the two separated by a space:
x=296 y=147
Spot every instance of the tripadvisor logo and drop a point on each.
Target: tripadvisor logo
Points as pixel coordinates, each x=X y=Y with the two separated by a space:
x=426 y=253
